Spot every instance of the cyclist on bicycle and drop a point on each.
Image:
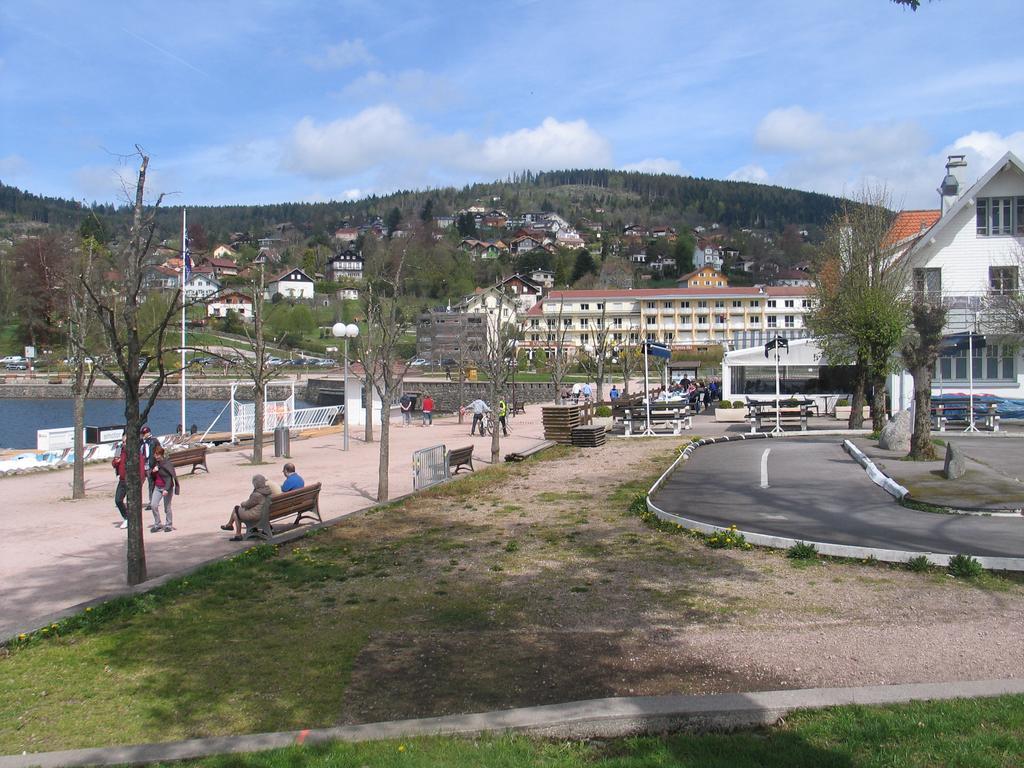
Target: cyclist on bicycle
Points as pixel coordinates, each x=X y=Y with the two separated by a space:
x=479 y=408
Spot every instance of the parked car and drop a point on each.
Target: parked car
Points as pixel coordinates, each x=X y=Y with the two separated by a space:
x=274 y=361
x=419 y=361
x=17 y=366
x=12 y=359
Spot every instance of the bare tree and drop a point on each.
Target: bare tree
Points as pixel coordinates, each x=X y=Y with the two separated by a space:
x=83 y=371
x=920 y=351
x=255 y=367
x=629 y=363
x=134 y=349
x=559 y=361
x=497 y=356
x=595 y=357
x=387 y=323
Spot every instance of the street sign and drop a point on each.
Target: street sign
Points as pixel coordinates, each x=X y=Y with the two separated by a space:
x=657 y=350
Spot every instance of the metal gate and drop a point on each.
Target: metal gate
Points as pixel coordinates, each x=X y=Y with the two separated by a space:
x=429 y=466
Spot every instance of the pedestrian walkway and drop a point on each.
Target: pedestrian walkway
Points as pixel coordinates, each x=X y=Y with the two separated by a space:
x=57 y=553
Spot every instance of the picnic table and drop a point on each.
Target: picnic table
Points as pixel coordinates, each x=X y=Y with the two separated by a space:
x=957 y=409
x=792 y=412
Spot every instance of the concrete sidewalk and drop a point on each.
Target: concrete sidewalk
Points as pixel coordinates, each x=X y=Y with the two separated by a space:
x=57 y=553
x=594 y=718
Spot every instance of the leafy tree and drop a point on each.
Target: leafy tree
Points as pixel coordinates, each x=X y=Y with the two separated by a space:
x=427 y=212
x=465 y=223
x=197 y=237
x=584 y=265
x=394 y=218
x=861 y=311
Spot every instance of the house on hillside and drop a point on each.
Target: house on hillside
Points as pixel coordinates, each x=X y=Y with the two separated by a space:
x=346 y=235
x=231 y=301
x=971 y=258
x=707 y=253
x=542 y=277
x=225 y=252
x=345 y=264
x=523 y=290
x=792 y=277
x=200 y=286
x=525 y=244
x=157 y=277
x=703 y=277
x=293 y=283
x=222 y=267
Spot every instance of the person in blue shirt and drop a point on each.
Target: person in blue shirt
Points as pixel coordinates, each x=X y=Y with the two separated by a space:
x=614 y=394
x=291 y=479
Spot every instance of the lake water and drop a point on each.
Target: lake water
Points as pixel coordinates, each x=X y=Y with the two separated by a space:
x=19 y=419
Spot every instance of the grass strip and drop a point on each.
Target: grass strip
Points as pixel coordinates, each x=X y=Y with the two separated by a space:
x=979 y=733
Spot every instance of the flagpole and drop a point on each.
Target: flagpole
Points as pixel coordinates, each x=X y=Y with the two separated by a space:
x=970 y=371
x=184 y=269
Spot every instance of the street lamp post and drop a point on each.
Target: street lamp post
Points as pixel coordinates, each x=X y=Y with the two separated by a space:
x=346 y=332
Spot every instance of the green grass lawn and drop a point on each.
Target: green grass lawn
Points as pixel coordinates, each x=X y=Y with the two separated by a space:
x=403 y=610
x=981 y=733
x=9 y=344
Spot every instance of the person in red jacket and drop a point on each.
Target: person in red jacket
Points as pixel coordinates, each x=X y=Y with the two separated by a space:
x=119 y=464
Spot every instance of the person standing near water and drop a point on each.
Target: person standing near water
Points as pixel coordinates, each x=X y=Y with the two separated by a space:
x=165 y=487
x=120 y=465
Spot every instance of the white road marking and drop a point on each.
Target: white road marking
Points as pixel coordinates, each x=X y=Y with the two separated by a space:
x=764 y=467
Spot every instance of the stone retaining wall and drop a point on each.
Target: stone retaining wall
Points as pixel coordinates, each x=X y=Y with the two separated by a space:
x=199 y=391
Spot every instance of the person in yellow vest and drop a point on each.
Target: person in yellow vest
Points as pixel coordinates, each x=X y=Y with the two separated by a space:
x=502 y=415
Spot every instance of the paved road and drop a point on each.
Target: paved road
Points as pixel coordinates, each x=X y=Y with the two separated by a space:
x=817 y=493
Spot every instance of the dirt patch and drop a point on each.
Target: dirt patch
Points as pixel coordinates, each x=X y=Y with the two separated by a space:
x=440 y=674
x=539 y=587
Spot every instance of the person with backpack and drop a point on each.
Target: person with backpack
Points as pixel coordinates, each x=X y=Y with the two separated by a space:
x=165 y=487
x=147 y=446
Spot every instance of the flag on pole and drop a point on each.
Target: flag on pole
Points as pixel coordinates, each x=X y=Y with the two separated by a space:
x=186 y=253
x=778 y=342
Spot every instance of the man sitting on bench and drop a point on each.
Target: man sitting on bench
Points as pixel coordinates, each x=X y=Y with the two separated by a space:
x=252 y=509
x=292 y=481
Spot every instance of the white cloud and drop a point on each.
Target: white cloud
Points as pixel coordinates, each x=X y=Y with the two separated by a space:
x=412 y=86
x=751 y=172
x=12 y=166
x=384 y=141
x=984 y=148
x=552 y=144
x=351 y=145
x=347 y=53
x=655 y=165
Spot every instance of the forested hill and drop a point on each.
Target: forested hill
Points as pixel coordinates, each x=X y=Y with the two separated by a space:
x=611 y=197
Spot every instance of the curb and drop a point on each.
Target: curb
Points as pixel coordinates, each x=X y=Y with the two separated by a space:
x=594 y=718
x=878 y=477
x=823 y=547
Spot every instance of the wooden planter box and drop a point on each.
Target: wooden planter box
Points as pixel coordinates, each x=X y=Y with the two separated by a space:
x=843 y=412
x=731 y=414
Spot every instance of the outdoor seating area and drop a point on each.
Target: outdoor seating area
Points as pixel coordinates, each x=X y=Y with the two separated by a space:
x=193 y=457
x=958 y=410
x=766 y=415
x=662 y=420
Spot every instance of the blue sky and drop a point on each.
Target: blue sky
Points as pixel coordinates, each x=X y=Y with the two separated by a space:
x=255 y=102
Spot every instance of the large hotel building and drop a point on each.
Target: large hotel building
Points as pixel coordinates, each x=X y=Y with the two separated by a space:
x=692 y=315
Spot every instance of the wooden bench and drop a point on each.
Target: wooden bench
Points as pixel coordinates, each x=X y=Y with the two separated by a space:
x=944 y=411
x=196 y=457
x=459 y=458
x=677 y=419
x=297 y=502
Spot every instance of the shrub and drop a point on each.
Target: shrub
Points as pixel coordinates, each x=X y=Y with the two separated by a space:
x=965 y=567
x=802 y=551
x=603 y=410
x=727 y=539
x=919 y=564
x=842 y=402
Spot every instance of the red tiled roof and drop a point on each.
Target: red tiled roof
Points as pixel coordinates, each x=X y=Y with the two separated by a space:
x=908 y=224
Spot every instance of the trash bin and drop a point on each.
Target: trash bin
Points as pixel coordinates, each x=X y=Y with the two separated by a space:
x=282 y=442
